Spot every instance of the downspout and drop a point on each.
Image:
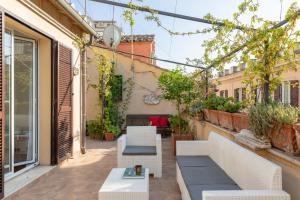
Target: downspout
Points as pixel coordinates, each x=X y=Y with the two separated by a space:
x=83 y=90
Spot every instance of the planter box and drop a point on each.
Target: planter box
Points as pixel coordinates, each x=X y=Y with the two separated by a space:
x=283 y=137
x=214 y=116
x=240 y=121
x=177 y=137
x=225 y=120
x=297 y=133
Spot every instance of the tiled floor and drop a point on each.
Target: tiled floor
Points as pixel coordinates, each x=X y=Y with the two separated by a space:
x=82 y=177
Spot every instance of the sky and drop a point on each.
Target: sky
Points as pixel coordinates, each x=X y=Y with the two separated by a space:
x=178 y=48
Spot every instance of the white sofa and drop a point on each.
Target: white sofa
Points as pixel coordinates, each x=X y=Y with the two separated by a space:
x=141 y=146
x=219 y=169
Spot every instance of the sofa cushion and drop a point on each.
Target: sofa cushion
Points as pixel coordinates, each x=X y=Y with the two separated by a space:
x=205 y=176
x=196 y=190
x=139 y=150
x=195 y=161
x=154 y=120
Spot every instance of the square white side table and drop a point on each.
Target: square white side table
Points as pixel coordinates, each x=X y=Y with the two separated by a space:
x=117 y=188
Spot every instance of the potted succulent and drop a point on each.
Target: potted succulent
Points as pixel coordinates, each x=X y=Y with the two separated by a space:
x=283 y=134
x=111 y=132
x=225 y=113
x=94 y=129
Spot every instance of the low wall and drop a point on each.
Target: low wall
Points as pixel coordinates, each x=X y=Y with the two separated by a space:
x=290 y=166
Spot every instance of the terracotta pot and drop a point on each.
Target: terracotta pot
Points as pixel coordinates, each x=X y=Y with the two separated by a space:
x=225 y=120
x=214 y=116
x=206 y=114
x=109 y=136
x=177 y=137
x=240 y=121
x=95 y=136
x=283 y=137
x=297 y=133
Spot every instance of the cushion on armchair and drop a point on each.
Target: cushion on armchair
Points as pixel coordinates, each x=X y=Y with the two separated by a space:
x=154 y=121
x=139 y=150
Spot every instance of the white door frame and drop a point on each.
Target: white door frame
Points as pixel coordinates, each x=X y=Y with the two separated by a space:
x=34 y=160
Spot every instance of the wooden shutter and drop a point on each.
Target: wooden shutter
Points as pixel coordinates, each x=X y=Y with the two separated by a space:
x=278 y=93
x=2 y=116
x=226 y=93
x=237 y=94
x=294 y=93
x=222 y=93
x=62 y=103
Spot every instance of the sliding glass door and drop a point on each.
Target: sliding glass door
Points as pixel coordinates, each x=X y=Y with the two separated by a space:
x=20 y=103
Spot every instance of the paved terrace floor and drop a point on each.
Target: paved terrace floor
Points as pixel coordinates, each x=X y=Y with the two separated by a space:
x=82 y=177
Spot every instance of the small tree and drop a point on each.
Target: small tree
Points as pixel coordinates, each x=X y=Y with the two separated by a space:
x=178 y=87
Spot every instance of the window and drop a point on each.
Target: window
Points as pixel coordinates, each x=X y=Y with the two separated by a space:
x=237 y=94
x=286 y=92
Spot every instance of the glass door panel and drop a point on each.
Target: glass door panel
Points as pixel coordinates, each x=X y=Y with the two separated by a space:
x=7 y=103
x=24 y=140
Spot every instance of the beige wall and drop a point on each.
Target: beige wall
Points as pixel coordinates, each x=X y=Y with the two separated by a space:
x=145 y=79
x=37 y=18
x=235 y=80
x=291 y=171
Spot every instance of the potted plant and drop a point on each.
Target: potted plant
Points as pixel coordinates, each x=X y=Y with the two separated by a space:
x=240 y=121
x=182 y=133
x=211 y=104
x=225 y=113
x=178 y=87
x=283 y=134
x=111 y=132
x=94 y=129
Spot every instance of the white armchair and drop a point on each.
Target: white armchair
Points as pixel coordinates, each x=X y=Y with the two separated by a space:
x=141 y=146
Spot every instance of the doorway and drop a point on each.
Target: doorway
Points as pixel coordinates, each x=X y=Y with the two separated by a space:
x=20 y=103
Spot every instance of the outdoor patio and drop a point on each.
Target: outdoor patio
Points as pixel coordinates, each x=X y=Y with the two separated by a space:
x=81 y=178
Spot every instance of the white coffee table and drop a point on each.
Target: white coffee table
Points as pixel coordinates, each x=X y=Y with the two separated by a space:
x=117 y=188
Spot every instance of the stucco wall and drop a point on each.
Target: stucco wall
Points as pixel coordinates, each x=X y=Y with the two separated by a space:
x=146 y=82
x=37 y=19
x=291 y=171
x=233 y=81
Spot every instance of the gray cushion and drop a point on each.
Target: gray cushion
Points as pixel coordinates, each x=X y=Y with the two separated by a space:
x=195 y=161
x=205 y=176
x=196 y=190
x=139 y=150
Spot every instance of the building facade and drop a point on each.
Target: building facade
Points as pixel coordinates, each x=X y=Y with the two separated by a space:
x=230 y=84
x=40 y=93
x=145 y=87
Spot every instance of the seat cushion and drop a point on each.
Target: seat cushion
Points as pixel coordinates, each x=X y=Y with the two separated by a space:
x=195 y=161
x=196 y=190
x=205 y=176
x=139 y=150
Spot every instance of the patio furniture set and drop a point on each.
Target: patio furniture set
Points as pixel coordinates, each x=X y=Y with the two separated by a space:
x=215 y=169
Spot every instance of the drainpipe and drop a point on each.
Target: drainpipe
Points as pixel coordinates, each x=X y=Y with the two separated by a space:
x=83 y=102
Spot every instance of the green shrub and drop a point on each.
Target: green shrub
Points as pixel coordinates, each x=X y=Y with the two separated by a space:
x=213 y=102
x=113 y=129
x=285 y=114
x=261 y=120
x=232 y=107
x=95 y=128
x=175 y=121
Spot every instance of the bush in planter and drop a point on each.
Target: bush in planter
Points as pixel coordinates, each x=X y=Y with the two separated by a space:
x=212 y=104
x=225 y=113
x=95 y=129
x=184 y=133
x=111 y=132
x=260 y=120
x=283 y=135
